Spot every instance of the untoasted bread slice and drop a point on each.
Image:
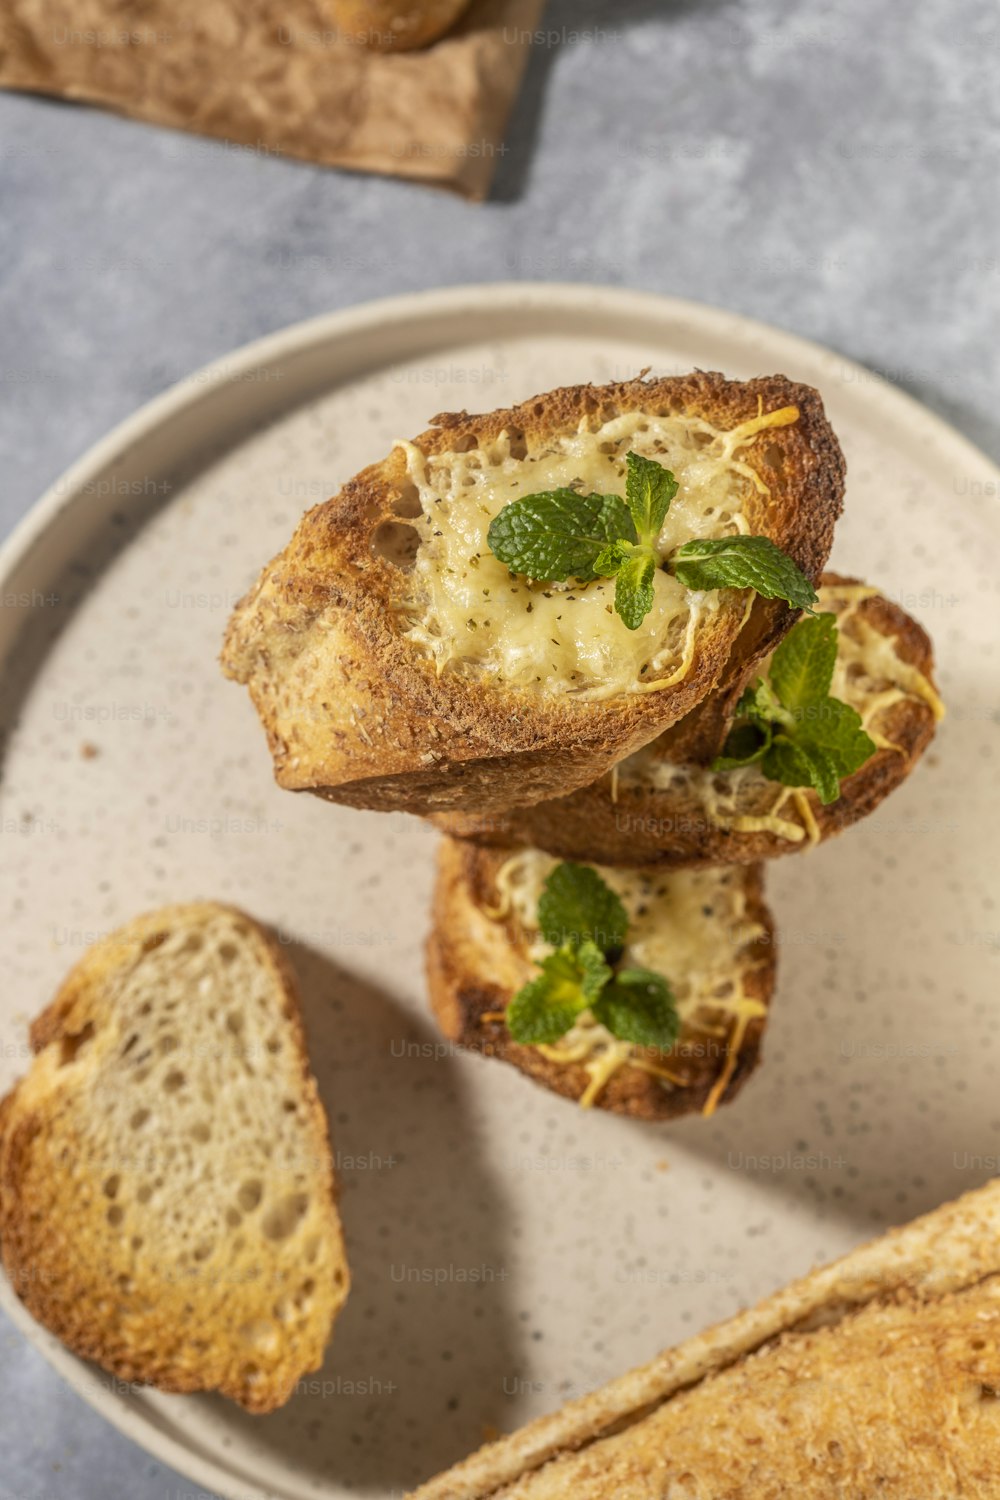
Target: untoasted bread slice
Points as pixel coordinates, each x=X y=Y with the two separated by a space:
x=166 y=1183
x=653 y=811
x=395 y=663
x=876 y=1375
x=708 y=932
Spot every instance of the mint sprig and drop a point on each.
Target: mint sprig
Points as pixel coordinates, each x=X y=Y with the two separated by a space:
x=586 y=922
x=743 y=562
x=559 y=534
x=791 y=726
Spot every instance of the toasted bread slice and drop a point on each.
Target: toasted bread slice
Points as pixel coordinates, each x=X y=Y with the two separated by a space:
x=708 y=932
x=166 y=1184
x=396 y=663
x=652 y=811
x=876 y=1375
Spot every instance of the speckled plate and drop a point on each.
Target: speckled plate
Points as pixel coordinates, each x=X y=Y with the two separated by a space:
x=508 y=1249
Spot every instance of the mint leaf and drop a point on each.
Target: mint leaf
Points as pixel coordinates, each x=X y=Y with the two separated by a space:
x=758 y=713
x=761 y=705
x=746 y=743
x=546 y=1007
x=638 y=1006
x=785 y=762
x=797 y=764
x=802 y=666
x=558 y=534
x=576 y=906
x=790 y=724
x=649 y=489
x=614 y=557
x=634 y=588
x=594 y=972
x=836 y=728
x=742 y=562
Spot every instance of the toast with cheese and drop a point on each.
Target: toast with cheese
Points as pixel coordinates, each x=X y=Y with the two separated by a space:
x=707 y=932
x=655 y=811
x=396 y=663
x=876 y=1375
x=166 y=1184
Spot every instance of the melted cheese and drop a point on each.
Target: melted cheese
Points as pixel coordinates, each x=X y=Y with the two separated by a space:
x=691 y=926
x=869 y=675
x=469 y=614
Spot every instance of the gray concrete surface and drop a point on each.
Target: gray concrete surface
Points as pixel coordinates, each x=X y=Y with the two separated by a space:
x=831 y=169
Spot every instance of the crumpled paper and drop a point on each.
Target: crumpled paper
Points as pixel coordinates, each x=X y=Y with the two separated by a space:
x=276 y=77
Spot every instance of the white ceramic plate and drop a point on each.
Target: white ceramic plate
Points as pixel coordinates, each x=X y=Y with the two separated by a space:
x=508 y=1249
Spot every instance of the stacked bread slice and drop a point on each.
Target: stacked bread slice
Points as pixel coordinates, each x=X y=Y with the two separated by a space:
x=400 y=659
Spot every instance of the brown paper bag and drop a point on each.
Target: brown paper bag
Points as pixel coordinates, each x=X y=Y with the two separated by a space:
x=275 y=76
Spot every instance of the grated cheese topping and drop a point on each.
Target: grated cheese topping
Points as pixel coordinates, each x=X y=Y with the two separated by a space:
x=691 y=926
x=869 y=675
x=466 y=611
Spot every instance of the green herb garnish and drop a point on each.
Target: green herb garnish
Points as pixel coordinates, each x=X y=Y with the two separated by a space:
x=791 y=726
x=560 y=534
x=586 y=922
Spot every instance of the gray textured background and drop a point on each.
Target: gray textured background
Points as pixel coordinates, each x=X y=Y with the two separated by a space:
x=828 y=168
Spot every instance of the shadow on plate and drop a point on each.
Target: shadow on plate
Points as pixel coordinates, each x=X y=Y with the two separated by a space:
x=569 y=20
x=875 y=1100
x=413 y=1378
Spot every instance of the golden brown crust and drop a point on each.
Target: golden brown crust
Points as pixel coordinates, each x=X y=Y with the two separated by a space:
x=923 y=1388
x=176 y=1334
x=476 y=964
x=356 y=713
x=640 y=825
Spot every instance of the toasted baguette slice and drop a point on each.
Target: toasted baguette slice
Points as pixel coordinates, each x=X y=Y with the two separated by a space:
x=654 y=812
x=166 y=1184
x=875 y=1376
x=708 y=932
x=396 y=663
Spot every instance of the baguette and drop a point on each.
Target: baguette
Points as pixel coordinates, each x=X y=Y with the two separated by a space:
x=656 y=813
x=166 y=1184
x=717 y=951
x=878 y=1375
x=395 y=663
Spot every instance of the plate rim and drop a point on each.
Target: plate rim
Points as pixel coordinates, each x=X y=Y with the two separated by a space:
x=141 y=1425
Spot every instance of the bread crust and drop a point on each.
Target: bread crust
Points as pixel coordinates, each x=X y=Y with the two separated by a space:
x=641 y=825
x=476 y=964
x=177 y=1337
x=912 y=1417
x=356 y=713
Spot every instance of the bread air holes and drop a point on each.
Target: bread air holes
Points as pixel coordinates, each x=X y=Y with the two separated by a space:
x=283 y=1219
x=260 y=1334
x=71 y=1045
x=111 y=1186
x=407 y=502
x=249 y=1195
x=174 y=1081
x=396 y=543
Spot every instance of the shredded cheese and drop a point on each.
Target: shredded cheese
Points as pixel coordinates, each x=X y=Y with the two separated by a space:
x=465 y=610
x=869 y=674
x=691 y=926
